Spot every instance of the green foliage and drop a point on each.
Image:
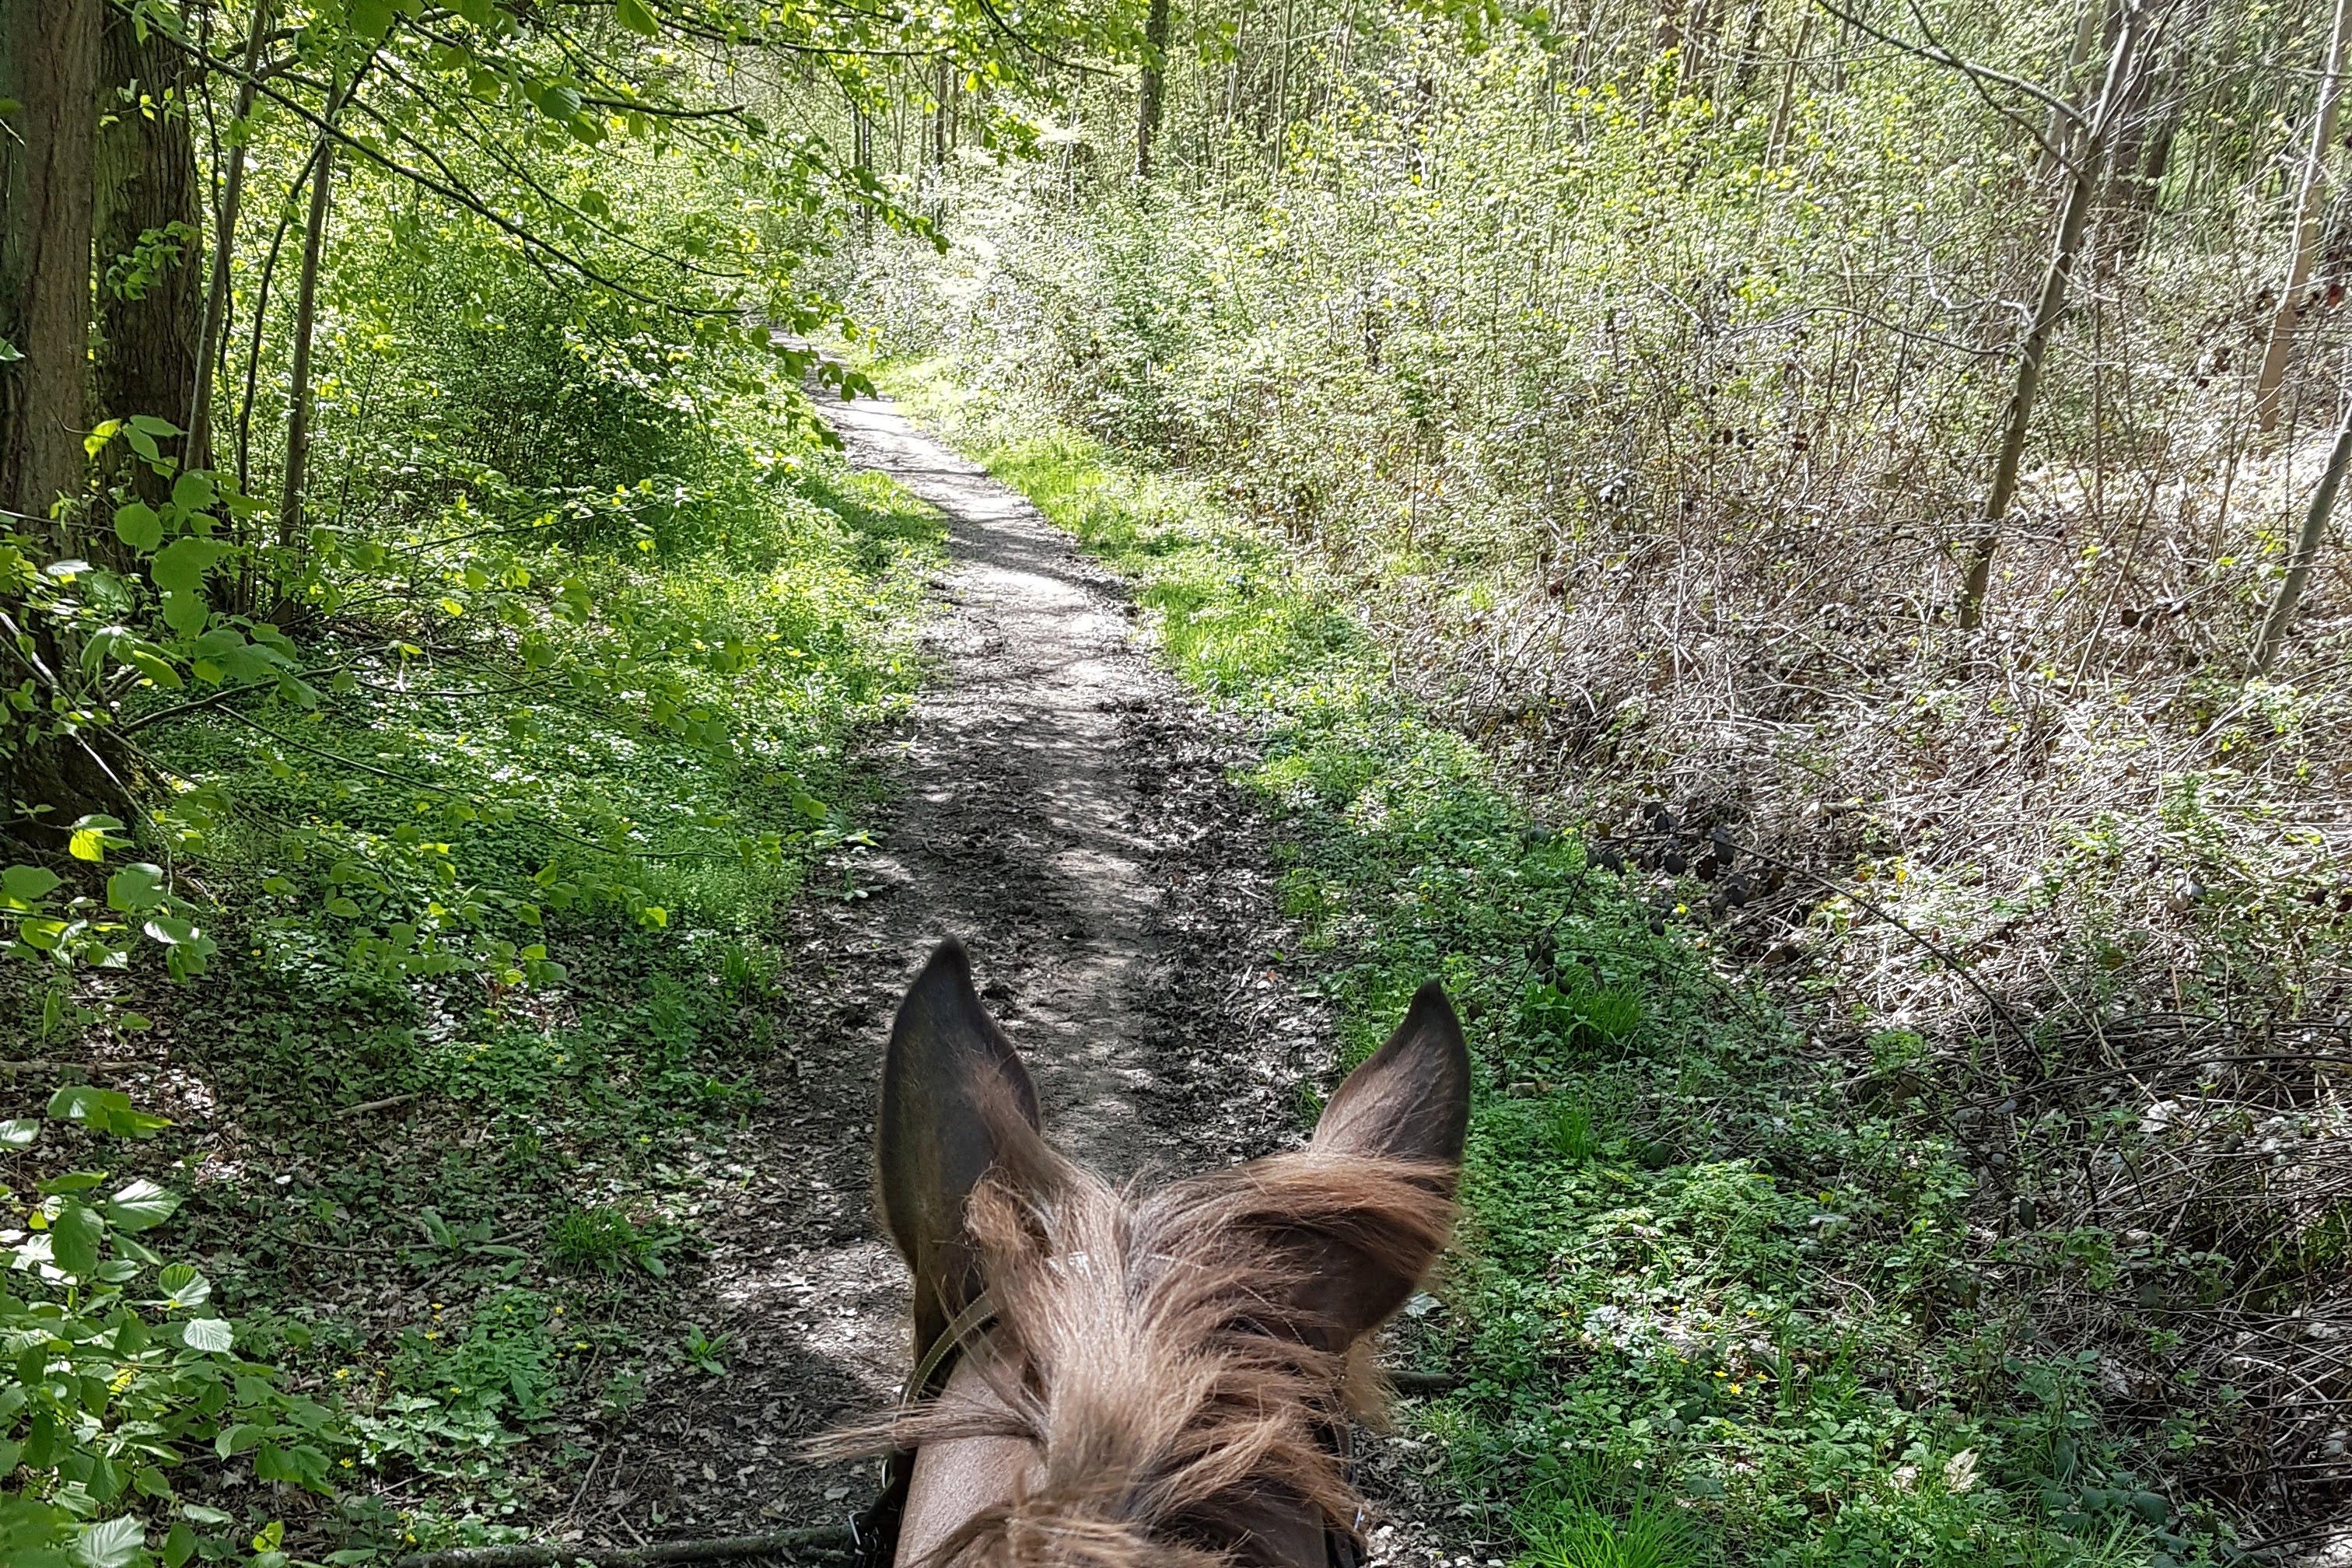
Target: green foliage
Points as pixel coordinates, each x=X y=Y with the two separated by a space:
x=472 y=799
x=1572 y=1526
x=602 y=1238
x=1696 y=1266
x=124 y=1372
x=703 y=1352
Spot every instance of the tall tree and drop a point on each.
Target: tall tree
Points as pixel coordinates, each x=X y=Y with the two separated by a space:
x=149 y=244
x=2303 y=243
x=293 y=484
x=1154 y=89
x=2086 y=170
x=48 y=71
x=211 y=333
x=52 y=766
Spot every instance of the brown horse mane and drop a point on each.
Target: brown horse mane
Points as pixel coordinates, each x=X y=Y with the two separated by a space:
x=1158 y=1354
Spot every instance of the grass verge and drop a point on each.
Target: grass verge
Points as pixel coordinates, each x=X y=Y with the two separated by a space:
x=491 y=955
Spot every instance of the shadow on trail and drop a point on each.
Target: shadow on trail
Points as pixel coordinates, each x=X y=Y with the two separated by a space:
x=1063 y=808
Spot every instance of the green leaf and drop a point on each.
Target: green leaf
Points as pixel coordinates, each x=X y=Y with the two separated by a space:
x=171 y=931
x=19 y=1134
x=28 y=885
x=183 y=1286
x=138 y=526
x=136 y=888
x=635 y=16
x=148 y=424
x=141 y=1205
x=180 y=567
x=74 y=1236
x=179 y=1545
x=155 y=668
x=216 y=1336
x=111 y=1543
x=185 y=612
x=89 y=1104
x=191 y=492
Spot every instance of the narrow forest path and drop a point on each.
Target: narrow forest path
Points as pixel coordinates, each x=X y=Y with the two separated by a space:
x=1059 y=804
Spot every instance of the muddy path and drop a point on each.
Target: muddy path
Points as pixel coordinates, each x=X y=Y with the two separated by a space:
x=1058 y=804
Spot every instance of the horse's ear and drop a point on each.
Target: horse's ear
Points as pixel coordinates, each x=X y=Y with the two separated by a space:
x=953 y=1093
x=1411 y=1099
x=1408 y=1109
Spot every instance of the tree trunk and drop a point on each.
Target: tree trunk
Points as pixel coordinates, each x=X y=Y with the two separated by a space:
x=2142 y=147
x=2306 y=234
x=1154 y=88
x=1743 y=69
x=2307 y=548
x=2090 y=163
x=306 y=321
x=49 y=66
x=52 y=769
x=940 y=118
x=2055 y=139
x=1776 y=143
x=211 y=334
x=149 y=247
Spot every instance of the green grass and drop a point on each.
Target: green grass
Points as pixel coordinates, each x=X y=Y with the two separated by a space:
x=1689 y=1260
x=471 y=1277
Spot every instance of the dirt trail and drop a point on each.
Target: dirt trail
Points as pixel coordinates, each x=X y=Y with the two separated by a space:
x=1061 y=807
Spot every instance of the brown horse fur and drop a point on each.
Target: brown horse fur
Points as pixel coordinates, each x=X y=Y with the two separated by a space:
x=1177 y=1363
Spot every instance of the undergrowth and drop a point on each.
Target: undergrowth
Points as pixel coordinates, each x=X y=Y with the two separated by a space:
x=441 y=1177
x=1723 y=1294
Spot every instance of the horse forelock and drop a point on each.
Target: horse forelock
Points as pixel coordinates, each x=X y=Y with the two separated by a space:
x=1154 y=1353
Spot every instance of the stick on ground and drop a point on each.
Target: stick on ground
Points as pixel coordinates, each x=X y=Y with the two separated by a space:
x=726 y=1548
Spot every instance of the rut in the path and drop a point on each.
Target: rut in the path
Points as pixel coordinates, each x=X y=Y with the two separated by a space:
x=1061 y=807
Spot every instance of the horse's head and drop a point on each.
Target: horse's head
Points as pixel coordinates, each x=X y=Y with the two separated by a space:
x=1154 y=1380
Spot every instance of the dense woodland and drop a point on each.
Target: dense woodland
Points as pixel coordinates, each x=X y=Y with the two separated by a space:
x=1787 y=548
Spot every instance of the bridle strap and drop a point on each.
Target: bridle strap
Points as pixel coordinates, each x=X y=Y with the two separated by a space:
x=875 y=1531
x=931 y=1373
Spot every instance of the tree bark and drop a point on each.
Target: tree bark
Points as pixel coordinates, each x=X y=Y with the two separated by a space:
x=2055 y=139
x=939 y=117
x=1743 y=69
x=48 y=66
x=52 y=765
x=2090 y=163
x=2307 y=548
x=290 y=500
x=1776 y=143
x=2306 y=234
x=149 y=247
x=212 y=331
x=1154 y=88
